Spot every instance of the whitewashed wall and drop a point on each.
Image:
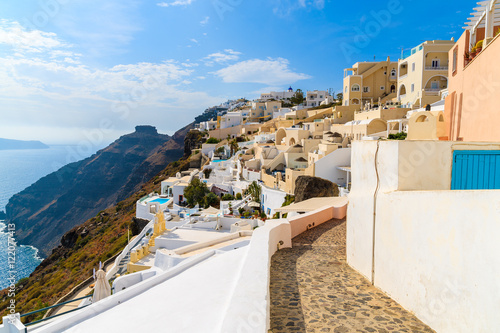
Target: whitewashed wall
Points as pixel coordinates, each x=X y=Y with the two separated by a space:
x=326 y=167
x=436 y=252
x=272 y=199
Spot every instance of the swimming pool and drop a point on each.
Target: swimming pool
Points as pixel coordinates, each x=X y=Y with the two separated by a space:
x=161 y=201
x=218 y=161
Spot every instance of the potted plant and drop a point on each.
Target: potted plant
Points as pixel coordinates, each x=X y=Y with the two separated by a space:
x=466 y=56
x=473 y=53
x=479 y=46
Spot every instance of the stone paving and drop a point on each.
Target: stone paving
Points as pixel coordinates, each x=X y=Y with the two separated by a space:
x=314 y=290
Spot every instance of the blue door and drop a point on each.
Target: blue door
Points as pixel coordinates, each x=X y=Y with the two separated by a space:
x=476 y=170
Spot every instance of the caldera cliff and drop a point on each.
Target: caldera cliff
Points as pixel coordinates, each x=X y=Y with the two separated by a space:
x=49 y=208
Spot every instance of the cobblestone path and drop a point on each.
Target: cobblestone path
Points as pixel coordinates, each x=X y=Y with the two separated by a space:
x=314 y=290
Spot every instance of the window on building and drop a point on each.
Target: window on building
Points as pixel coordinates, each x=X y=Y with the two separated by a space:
x=385 y=73
x=366 y=89
x=382 y=88
x=435 y=63
x=413 y=67
x=455 y=59
x=355 y=87
x=412 y=87
x=393 y=72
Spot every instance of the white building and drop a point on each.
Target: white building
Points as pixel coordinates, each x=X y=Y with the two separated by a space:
x=208 y=125
x=278 y=95
x=271 y=199
x=234 y=118
x=317 y=98
x=173 y=187
x=281 y=112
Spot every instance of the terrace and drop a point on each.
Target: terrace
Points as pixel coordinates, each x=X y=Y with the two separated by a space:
x=483 y=26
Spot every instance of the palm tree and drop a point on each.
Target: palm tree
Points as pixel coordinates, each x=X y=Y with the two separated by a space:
x=254 y=190
x=233 y=145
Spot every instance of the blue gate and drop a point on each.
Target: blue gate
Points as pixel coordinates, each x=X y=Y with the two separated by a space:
x=476 y=170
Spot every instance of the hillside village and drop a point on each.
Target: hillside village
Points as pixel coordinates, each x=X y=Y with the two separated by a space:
x=393 y=182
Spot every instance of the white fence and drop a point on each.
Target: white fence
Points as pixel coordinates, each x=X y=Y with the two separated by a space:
x=126 y=250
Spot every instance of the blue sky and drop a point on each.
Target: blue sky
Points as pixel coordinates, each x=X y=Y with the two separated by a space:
x=88 y=71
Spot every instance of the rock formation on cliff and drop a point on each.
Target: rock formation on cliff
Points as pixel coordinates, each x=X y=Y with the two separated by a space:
x=46 y=210
x=307 y=187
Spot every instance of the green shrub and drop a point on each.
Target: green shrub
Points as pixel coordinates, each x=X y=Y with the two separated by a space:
x=211 y=199
x=212 y=140
x=398 y=136
x=227 y=197
x=238 y=196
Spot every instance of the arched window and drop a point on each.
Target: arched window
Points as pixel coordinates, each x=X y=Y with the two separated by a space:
x=402 y=90
x=355 y=87
x=422 y=119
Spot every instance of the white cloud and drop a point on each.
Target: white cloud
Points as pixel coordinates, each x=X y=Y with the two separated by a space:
x=269 y=72
x=175 y=3
x=194 y=40
x=222 y=57
x=205 y=20
x=51 y=87
x=21 y=40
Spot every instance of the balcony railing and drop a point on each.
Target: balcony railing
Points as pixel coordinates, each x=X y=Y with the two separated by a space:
x=432 y=92
x=434 y=68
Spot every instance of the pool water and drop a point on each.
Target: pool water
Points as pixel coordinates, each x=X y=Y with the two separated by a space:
x=161 y=201
x=218 y=161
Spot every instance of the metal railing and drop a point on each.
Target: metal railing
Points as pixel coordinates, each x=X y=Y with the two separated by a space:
x=432 y=68
x=53 y=306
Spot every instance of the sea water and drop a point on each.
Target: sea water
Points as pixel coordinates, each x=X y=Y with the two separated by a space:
x=18 y=170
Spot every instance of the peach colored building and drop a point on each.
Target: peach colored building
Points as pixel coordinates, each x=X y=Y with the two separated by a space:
x=472 y=106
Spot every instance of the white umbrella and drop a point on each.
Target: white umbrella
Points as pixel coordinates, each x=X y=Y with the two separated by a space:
x=102 y=288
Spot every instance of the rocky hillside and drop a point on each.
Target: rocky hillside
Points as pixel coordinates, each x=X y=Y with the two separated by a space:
x=46 y=210
x=81 y=249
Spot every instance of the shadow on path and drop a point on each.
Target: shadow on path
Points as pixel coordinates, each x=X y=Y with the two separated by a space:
x=314 y=290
